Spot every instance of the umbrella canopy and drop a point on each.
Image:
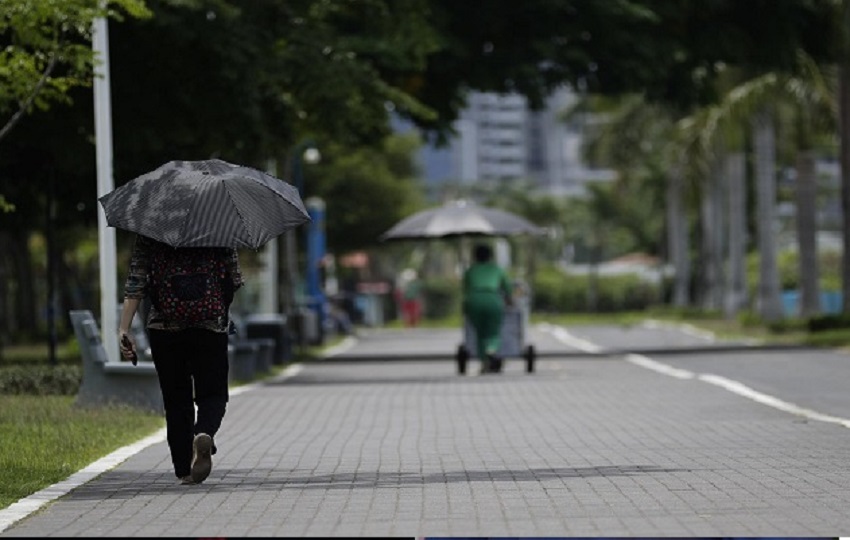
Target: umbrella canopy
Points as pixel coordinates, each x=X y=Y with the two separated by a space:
x=459 y=218
x=206 y=203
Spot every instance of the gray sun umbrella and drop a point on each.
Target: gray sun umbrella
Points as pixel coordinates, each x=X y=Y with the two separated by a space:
x=205 y=203
x=460 y=218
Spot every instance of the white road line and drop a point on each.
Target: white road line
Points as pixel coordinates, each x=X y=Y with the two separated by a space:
x=29 y=504
x=643 y=361
x=770 y=401
x=564 y=336
x=727 y=384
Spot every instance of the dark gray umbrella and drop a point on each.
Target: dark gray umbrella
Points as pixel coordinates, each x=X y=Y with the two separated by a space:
x=460 y=218
x=206 y=203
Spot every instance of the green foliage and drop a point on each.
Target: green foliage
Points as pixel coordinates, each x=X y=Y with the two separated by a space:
x=749 y=319
x=553 y=291
x=31 y=354
x=823 y=323
x=40 y=380
x=366 y=189
x=829 y=270
x=835 y=337
x=441 y=298
x=6 y=206
x=47 y=50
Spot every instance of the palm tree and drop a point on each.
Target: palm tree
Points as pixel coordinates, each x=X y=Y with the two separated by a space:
x=637 y=138
x=807 y=98
x=678 y=236
x=705 y=150
x=764 y=149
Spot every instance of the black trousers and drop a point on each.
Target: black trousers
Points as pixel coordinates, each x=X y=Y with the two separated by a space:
x=192 y=369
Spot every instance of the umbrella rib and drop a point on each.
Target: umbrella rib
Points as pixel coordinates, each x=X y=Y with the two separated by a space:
x=188 y=215
x=238 y=213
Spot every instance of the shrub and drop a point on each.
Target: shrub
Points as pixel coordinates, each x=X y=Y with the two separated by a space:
x=829 y=270
x=553 y=292
x=556 y=292
x=829 y=322
x=441 y=298
x=41 y=380
x=67 y=352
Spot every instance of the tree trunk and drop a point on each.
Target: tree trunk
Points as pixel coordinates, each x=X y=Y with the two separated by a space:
x=24 y=308
x=5 y=278
x=736 y=185
x=712 y=241
x=764 y=145
x=844 y=120
x=678 y=238
x=807 y=234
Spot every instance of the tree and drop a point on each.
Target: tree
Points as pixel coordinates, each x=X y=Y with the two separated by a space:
x=47 y=51
x=671 y=52
x=367 y=190
x=806 y=98
x=246 y=81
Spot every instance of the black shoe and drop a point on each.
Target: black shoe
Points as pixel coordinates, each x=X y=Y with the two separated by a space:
x=201 y=457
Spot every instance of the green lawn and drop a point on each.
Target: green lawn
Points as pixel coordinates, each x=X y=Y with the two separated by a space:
x=45 y=439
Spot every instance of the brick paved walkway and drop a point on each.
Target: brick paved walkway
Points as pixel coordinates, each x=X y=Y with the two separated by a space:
x=585 y=446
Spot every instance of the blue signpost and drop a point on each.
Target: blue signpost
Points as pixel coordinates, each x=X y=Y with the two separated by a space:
x=316 y=246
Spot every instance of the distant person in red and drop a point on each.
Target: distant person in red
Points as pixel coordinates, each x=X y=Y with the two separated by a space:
x=411 y=297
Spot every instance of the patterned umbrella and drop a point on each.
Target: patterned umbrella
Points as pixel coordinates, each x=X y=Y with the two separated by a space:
x=206 y=203
x=459 y=218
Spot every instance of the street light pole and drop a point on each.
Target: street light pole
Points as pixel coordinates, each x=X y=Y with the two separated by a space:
x=305 y=151
x=105 y=184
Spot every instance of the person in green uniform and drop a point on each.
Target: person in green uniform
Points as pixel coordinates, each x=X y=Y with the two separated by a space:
x=486 y=290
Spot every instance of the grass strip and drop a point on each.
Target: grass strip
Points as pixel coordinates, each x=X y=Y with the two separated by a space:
x=45 y=439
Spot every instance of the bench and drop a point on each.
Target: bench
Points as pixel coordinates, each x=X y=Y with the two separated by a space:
x=108 y=382
x=249 y=358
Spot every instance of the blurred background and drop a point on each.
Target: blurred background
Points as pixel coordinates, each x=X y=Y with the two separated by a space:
x=683 y=155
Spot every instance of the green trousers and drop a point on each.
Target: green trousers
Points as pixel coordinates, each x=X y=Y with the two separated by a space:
x=485 y=312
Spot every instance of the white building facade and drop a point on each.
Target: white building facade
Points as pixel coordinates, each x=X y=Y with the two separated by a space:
x=500 y=138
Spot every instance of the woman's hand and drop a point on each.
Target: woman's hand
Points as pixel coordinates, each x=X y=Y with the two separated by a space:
x=127 y=346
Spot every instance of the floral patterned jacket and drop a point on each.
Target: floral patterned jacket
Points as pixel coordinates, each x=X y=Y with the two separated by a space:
x=136 y=286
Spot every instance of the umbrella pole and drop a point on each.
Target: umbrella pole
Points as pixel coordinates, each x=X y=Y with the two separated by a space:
x=463 y=253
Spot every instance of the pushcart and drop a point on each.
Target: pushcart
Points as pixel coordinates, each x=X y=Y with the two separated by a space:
x=464 y=218
x=512 y=340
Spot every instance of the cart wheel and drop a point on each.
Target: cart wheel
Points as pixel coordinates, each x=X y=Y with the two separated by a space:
x=494 y=364
x=529 y=359
x=462 y=357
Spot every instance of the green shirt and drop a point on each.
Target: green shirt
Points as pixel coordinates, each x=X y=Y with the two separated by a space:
x=486 y=277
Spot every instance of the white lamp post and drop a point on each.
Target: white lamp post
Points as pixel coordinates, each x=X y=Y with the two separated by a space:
x=105 y=184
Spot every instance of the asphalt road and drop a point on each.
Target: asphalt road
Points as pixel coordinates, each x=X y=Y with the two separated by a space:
x=385 y=438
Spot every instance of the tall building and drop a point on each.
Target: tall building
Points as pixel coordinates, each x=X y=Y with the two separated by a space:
x=499 y=137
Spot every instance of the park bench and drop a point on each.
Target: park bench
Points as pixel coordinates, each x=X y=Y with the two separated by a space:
x=107 y=382
x=110 y=382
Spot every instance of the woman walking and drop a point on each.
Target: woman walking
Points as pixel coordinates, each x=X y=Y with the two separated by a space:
x=191 y=290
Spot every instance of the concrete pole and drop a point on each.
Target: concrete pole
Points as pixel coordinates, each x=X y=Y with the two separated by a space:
x=105 y=184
